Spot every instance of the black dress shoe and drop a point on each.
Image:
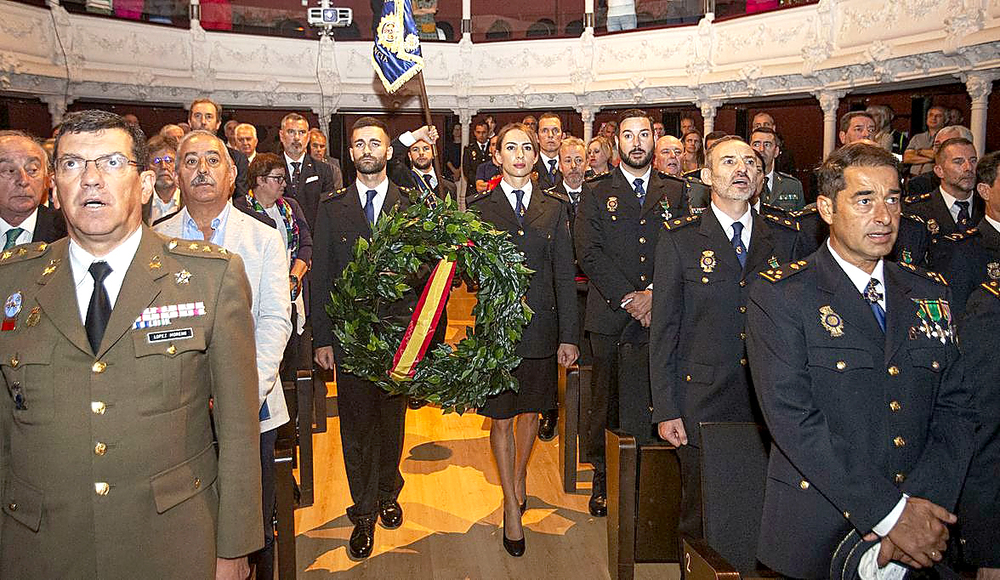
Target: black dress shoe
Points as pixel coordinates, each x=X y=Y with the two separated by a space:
x=390 y=513
x=416 y=403
x=514 y=547
x=598 y=505
x=362 y=538
x=547 y=425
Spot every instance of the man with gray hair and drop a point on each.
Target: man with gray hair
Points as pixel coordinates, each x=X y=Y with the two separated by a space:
x=952 y=207
x=246 y=140
x=929 y=181
x=24 y=182
x=307 y=179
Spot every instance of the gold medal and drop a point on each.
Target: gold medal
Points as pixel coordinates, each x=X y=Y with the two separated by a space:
x=708 y=261
x=831 y=321
x=34 y=316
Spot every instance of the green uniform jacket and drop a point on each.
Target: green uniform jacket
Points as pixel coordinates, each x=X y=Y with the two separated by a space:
x=108 y=466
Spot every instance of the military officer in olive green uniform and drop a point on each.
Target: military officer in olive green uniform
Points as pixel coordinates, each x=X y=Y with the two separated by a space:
x=112 y=344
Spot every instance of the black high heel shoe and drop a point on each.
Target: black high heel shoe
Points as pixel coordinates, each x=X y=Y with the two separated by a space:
x=524 y=506
x=514 y=547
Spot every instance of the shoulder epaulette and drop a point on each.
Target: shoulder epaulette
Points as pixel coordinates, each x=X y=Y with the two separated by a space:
x=195 y=248
x=923 y=273
x=477 y=197
x=960 y=236
x=784 y=271
x=665 y=175
x=915 y=198
x=912 y=216
x=993 y=287
x=24 y=252
x=808 y=210
x=676 y=224
x=553 y=193
x=599 y=176
x=336 y=194
x=782 y=221
x=775 y=208
x=787 y=175
x=693 y=174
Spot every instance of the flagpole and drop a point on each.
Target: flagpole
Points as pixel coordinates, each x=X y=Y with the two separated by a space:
x=425 y=103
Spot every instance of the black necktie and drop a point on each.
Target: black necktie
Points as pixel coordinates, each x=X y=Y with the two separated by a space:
x=519 y=208
x=552 y=168
x=872 y=296
x=293 y=182
x=766 y=192
x=370 y=206
x=640 y=192
x=963 y=215
x=741 y=250
x=99 y=310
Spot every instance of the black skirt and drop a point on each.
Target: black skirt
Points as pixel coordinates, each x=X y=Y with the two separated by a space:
x=537 y=378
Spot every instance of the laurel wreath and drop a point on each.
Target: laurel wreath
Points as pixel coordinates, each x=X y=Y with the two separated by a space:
x=381 y=273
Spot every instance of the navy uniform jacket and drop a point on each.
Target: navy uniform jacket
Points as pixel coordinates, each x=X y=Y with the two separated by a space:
x=548 y=250
x=697 y=363
x=979 y=507
x=471 y=159
x=616 y=241
x=545 y=180
x=315 y=181
x=857 y=417
x=697 y=193
x=912 y=240
x=930 y=206
x=966 y=259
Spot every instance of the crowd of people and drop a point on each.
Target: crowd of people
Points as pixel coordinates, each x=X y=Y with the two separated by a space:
x=854 y=319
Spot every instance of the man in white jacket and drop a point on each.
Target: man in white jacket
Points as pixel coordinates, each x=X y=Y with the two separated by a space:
x=206 y=175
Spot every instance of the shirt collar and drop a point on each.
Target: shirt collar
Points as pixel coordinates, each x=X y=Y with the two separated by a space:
x=218 y=221
x=119 y=258
x=173 y=202
x=546 y=159
x=508 y=189
x=381 y=189
x=289 y=160
x=949 y=199
x=631 y=178
x=992 y=222
x=727 y=222
x=568 y=190
x=859 y=278
x=27 y=225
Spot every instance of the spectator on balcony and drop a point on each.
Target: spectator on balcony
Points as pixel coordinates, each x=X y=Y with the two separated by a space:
x=621 y=15
x=598 y=156
x=694 y=154
x=688 y=124
x=423 y=17
x=954 y=117
x=530 y=122
x=230 y=130
x=885 y=136
x=919 y=152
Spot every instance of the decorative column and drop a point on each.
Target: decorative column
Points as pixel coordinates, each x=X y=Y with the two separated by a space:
x=979 y=86
x=708 y=108
x=587 y=114
x=588 y=17
x=829 y=101
x=195 y=14
x=57 y=106
x=466 y=21
x=465 y=118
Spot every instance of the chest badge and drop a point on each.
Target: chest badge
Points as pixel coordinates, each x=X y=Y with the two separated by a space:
x=665 y=209
x=11 y=308
x=772 y=262
x=612 y=204
x=831 y=321
x=182 y=277
x=708 y=261
x=993 y=270
x=34 y=316
x=935 y=320
x=907 y=257
x=932 y=226
x=154 y=263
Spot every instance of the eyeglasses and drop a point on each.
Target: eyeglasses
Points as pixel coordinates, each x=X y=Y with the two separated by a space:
x=276 y=178
x=166 y=159
x=11 y=172
x=113 y=164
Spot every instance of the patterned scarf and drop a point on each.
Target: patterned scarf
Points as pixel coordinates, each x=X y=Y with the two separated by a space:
x=285 y=210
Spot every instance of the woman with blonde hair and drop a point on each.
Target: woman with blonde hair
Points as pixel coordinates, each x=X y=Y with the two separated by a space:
x=598 y=156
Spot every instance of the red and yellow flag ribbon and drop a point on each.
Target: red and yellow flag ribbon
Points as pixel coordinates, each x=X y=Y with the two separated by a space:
x=424 y=321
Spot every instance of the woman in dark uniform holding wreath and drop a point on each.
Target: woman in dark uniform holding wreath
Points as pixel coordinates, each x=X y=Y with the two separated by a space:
x=538 y=223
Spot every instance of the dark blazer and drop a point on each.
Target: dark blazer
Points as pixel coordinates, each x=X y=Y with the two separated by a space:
x=616 y=239
x=785 y=192
x=305 y=235
x=930 y=206
x=544 y=240
x=49 y=225
x=402 y=174
x=697 y=363
x=314 y=182
x=697 y=193
x=242 y=171
x=966 y=260
x=912 y=240
x=858 y=417
x=545 y=180
x=339 y=224
x=926 y=182
x=979 y=507
x=471 y=159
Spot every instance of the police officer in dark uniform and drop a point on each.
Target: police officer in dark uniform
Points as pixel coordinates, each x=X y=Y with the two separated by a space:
x=954 y=206
x=475 y=153
x=704 y=267
x=856 y=369
x=969 y=258
x=912 y=245
x=617 y=225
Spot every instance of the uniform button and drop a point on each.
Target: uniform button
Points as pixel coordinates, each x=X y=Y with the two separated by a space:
x=99 y=367
x=197 y=482
x=893 y=370
x=520 y=232
x=642 y=277
x=743 y=283
x=900 y=477
x=895 y=406
x=743 y=336
x=847 y=515
x=171 y=349
x=100 y=449
x=742 y=309
x=704 y=280
x=804 y=484
x=98 y=407
x=935 y=365
x=642 y=258
x=101 y=488
x=642 y=240
x=743 y=362
x=14 y=361
x=899 y=441
x=687 y=378
x=642 y=222
x=614 y=218
x=841 y=365
x=12 y=506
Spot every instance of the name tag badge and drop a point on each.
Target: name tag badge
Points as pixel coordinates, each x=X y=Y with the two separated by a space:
x=165 y=335
x=312 y=178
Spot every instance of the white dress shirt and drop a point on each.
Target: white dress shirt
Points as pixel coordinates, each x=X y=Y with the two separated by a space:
x=727 y=224
x=28 y=225
x=631 y=178
x=508 y=190
x=949 y=202
x=289 y=161
x=381 y=190
x=119 y=259
x=993 y=222
x=161 y=208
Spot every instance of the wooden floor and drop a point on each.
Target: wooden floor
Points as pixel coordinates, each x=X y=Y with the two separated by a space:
x=451 y=504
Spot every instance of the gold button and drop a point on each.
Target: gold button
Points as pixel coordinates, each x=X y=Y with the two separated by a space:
x=743 y=283
x=743 y=362
x=98 y=407
x=899 y=441
x=197 y=482
x=743 y=336
x=895 y=406
x=171 y=349
x=900 y=477
x=642 y=222
x=847 y=515
x=893 y=370
x=520 y=232
x=100 y=449
x=687 y=378
x=704 y=280
x=12 y=506
x=935 y=365
x=614 y=218
x=642 y=258
x=642 y=240
x=14 y=361
x=642 y=277
x=742 y=309
x=99 y=367
x=101 y=488
x=841 y=365
x=804 y=484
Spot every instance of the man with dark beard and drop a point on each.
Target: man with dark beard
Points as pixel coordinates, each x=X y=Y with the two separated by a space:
x=371 y=420
x=619 y=219
x=699 y=321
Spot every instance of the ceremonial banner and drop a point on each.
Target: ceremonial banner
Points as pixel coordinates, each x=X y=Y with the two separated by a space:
x=396 y=56
x=423 y=322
